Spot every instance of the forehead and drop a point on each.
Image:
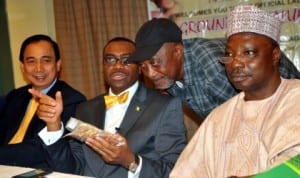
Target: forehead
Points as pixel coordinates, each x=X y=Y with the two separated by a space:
x=119 y=47
x=40 y=47
x=39 y=44
x=248 y=38
x=163 y=50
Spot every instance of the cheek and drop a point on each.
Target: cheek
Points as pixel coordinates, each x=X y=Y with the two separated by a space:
x=256 y=67
x=53 y=68
x=148 y=70
x=106 y=72
x=171 y=72
x=228 y=68
x=27 y=70
x=134 y=73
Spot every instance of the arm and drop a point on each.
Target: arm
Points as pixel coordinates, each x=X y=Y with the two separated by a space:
x=59 y=154
x=170 y=139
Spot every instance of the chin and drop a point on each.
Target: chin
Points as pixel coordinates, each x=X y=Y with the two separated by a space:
x=164 y=84
x=240 y=86
x=163 y=87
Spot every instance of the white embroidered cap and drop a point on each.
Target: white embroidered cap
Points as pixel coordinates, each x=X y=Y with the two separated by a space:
x=249 y=18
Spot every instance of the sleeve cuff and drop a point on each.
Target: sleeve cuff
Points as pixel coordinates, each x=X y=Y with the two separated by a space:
x=51 y=137
x=138 y=170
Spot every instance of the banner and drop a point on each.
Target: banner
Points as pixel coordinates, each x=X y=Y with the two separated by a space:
x=207 y=19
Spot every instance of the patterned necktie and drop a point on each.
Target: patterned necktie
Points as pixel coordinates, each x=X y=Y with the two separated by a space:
x=112 y=100
x=19 y=135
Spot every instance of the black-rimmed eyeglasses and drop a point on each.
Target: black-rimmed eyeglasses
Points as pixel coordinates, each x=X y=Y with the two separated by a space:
x=245 y=57
x=112 y=59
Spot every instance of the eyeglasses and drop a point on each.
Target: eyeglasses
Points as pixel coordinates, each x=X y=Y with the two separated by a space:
x=112 y=60
x=244 y=57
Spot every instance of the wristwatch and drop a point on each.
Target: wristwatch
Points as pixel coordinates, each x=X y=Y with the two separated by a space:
x=134 y=165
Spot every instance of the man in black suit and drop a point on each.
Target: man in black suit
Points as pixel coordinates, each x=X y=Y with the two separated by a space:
x=40 y=64
x=149 y=125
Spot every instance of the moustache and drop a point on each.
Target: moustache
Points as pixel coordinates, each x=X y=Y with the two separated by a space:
x=239 y=72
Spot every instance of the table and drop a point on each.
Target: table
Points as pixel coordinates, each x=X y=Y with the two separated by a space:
x=9 y=171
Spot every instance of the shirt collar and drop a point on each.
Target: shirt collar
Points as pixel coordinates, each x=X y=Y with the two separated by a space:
x=46 y=90
x=132 y=89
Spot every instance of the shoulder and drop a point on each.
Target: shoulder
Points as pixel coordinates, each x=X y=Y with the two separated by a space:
x=225 y=108
x=292 y=83
x=67 y=90
x=155 y=95
x=91 y=103
x=19 y=92
x=291 y=88
x=202 y=54
x=204 y=43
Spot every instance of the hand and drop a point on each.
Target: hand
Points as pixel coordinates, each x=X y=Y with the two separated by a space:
x=49 y=109
x=113 y=148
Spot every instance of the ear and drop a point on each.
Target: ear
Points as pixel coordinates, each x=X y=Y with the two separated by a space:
x=58 y=65
x=276 y=56
x=22 y=66
x=179 y=50
x=139 y=69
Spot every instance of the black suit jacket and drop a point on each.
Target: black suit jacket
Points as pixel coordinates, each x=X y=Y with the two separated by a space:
x=155 y=131
x=29 y=152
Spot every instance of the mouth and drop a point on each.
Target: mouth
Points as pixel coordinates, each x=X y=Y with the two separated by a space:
x=118 y=76
x=39 y=77
x=238 y=77
x=157 y=81
x=162 y=83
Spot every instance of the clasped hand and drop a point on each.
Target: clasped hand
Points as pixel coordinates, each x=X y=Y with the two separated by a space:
x=113 y=149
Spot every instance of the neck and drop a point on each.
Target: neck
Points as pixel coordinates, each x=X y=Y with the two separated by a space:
x=267 y=90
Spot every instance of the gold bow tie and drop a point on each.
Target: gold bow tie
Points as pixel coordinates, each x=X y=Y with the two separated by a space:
x=112 y=100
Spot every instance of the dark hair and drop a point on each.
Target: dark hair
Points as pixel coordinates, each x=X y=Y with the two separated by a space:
x=37 y=38
x=116 y=39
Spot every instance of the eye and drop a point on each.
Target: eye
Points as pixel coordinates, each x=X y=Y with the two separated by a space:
x=250 y=53
x=142 y=65
x=47 y=59
x=29 y=60
x=110 y=59
x=125 y=60
x=228 y=54
x=155 y=62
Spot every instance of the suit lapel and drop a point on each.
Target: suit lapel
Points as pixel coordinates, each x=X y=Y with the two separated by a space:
x=100 y=112
x=135 y=110
x=19 y=110
x=94 y=112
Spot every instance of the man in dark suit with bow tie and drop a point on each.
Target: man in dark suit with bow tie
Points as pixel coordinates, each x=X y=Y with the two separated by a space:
x=149 y=125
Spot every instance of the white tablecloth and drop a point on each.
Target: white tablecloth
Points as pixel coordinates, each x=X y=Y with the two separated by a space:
x=9 y=171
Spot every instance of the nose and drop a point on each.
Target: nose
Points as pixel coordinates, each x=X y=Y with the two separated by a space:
x=119 y=64
x=237 y=61
x=38 y=66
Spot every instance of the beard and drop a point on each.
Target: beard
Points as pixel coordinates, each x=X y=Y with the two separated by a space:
x=163 y=83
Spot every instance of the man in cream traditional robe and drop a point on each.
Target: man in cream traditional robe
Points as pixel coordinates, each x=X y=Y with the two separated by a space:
x=258 y=128
x=228 y=143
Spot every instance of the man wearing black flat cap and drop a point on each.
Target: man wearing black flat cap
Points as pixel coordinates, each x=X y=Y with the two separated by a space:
x=188 y=68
